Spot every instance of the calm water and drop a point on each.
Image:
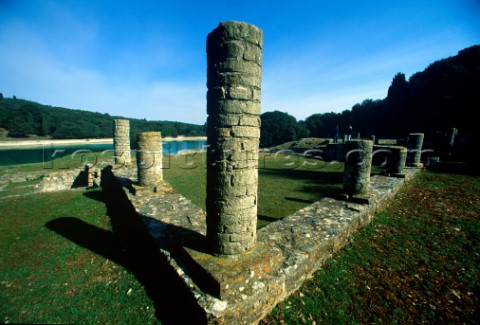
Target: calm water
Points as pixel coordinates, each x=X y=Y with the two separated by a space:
x=27 y=155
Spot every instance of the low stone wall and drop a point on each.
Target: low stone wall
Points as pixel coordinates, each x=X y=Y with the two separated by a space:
x=63 y=180
x=243 y=289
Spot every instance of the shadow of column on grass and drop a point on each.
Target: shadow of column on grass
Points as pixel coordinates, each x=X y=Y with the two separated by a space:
x=131 y=246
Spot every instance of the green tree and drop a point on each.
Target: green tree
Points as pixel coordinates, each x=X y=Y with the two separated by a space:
x=277 y=128
x=18 y=127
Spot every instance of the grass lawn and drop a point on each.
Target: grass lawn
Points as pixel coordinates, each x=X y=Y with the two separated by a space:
x=47 y=278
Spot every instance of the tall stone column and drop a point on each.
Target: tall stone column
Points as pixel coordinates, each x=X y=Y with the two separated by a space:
x=121 y=142
x=234 y=65
x=396 y=161
x=358 y=166
x=149 y=159
x=415 y=143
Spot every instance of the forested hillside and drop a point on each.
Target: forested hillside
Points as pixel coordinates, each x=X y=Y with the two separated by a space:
x=444 y=95
x=22 y=117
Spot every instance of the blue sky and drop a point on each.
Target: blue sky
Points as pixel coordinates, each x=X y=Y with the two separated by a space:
x=146 y=59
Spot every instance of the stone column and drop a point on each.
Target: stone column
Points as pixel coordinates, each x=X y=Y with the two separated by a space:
x=89 y=174
x=149 y=159
x=234 y=65
x=358 y=166
x=415 y=142
x=396 y=161
x=451 y=135
x=121 y=142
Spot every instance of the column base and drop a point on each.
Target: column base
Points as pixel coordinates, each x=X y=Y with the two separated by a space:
x=416 y=165
x=355 y=198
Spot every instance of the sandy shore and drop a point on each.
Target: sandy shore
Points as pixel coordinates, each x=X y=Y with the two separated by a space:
x=30 y=143
x=182 y=138
x=35 y=143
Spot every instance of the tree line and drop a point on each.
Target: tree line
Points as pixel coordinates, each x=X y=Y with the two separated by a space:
x=23 y=118
x=442 y=96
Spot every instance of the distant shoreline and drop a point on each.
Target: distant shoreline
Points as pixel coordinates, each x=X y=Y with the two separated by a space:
x=67 y=142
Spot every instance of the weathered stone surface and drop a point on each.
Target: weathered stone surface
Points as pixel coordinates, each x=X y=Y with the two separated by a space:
x=149 y=159
x=396 y=160
x=358 y=166
x=415 y=143
x=121 y=142
x=234 y=58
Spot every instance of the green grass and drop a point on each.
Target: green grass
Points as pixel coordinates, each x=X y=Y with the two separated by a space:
x=419 y=262
x=47 y=278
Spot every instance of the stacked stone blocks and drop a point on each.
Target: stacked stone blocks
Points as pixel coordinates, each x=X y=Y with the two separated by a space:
x=234 y=58
x=415 y=143
x=396 y=161
x=149 y=159
x=358 y=166
x=121 y=142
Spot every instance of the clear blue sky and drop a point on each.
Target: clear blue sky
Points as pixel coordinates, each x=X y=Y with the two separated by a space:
x=146 y=59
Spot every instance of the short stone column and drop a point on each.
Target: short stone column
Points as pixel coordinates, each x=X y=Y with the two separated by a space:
x=149 y=159
x=358 y=166
x=234 y=65
x=396 y=161
x=89 y=173
x=451 y=135
x=415 y=143
x=121 y=142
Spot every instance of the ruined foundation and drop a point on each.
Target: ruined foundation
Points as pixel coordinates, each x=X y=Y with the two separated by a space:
x=415 y=143
x=234 y=58
x=230 y=287
x=149 y=159
x=358 y=166
x=121 y=142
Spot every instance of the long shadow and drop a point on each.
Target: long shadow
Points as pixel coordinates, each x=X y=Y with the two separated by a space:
x=267 y=218
x=130 y=245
